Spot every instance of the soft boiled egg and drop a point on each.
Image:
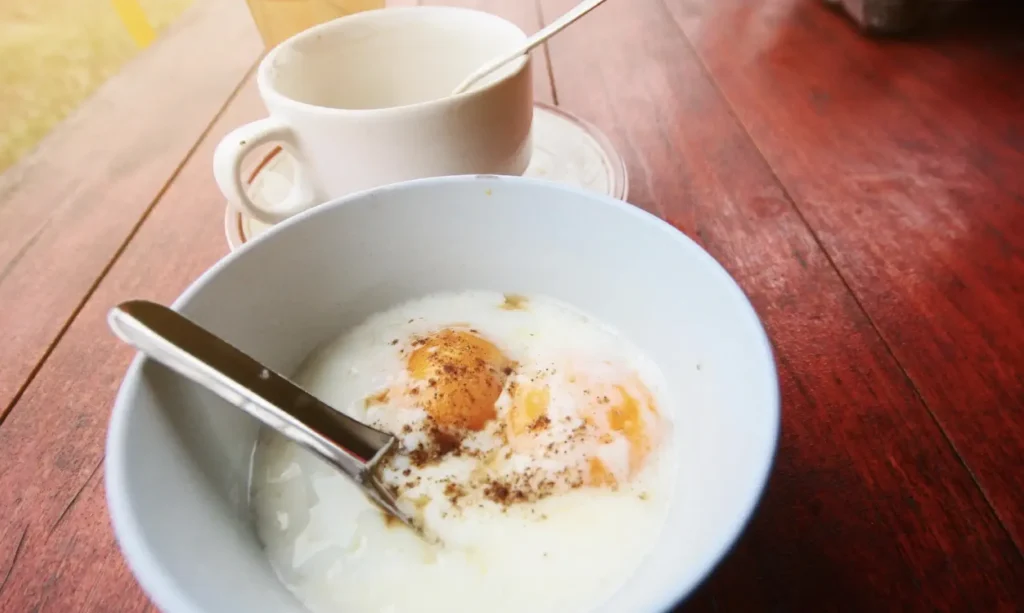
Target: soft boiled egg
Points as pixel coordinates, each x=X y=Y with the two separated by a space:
x=504 y=410
x=530 y=436
x=548 y=421
x=593 y=418
x=459 y=376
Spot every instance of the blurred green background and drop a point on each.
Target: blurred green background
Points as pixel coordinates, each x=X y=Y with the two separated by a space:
x=54 y=53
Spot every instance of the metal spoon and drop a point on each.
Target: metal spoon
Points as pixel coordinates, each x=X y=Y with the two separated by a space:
x=540 y=37
x=349 y=445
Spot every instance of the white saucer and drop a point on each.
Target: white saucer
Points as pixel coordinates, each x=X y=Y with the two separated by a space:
x=566 y=149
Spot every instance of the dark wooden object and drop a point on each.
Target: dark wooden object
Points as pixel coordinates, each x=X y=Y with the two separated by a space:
x=868 y=196
x=894 y=16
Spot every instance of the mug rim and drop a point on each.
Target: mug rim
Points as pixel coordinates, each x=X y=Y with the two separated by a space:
x=272 y=94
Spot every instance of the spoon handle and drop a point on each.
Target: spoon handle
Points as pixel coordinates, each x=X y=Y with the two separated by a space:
x=178 y=343
x=538 y=38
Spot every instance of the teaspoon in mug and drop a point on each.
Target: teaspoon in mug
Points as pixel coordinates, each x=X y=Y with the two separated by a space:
x=528 y=45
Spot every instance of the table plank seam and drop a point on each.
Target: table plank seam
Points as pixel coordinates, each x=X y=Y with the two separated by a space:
x=75 y=497
x=120 y=250
x=14 y=559
x=546 y=53
x=842 y=278
x=24 y=249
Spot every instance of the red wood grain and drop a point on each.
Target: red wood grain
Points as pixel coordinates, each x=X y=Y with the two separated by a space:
x=51 y=446
x=907 y=166
x=869 y=507
x=69 y=206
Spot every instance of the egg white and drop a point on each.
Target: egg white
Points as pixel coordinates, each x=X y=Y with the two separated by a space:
x=565 y=553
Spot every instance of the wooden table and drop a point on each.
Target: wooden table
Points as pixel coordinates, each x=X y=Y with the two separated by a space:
x=868 y=196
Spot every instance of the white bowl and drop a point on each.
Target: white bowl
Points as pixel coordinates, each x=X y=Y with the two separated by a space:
x=178 y=458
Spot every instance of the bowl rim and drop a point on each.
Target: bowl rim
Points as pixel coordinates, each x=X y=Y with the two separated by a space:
x=164 y=591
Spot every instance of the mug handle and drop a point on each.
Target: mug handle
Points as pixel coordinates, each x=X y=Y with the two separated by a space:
x=227 y=169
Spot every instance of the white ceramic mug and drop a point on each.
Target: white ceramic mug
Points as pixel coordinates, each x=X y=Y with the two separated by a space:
x=365 y=100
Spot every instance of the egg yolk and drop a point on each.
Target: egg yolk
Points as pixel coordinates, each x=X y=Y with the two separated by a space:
x=611 y=410
x=460 y=376
x=529 y=406
x=624 y=415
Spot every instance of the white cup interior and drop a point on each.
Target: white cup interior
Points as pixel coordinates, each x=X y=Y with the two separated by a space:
x=178 y=457
x=389 y=58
